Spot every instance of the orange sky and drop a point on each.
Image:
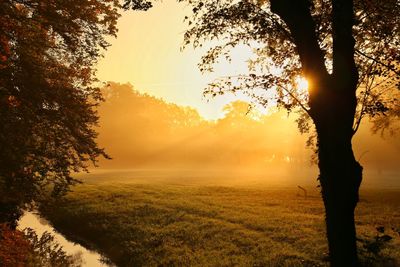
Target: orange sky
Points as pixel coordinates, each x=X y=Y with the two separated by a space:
x=147 y=54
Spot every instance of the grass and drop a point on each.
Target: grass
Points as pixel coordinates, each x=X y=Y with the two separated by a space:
x=140 y=223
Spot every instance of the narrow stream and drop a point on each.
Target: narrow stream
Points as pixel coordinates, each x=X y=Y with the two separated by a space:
x=40 y=225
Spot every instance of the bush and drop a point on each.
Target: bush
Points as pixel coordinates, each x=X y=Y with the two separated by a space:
x=26 y=248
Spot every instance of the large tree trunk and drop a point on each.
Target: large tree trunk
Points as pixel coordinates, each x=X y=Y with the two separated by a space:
x=340 y=173
x=340 y=178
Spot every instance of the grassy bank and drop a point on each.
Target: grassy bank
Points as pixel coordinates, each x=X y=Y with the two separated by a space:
x=164 y=224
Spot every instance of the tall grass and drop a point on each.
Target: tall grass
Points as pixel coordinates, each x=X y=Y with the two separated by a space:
x=196 y=225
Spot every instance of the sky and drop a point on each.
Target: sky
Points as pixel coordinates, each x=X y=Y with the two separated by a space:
x=147 y=53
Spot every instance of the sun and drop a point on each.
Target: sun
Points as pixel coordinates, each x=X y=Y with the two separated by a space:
x=302 y=84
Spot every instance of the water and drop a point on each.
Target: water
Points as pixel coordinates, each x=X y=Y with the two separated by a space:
x=40 y=225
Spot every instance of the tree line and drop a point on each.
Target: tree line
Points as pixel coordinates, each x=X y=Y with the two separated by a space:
x=142 y=131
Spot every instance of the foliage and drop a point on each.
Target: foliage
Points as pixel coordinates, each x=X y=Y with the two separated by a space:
x=46 y=252
x=181 y=221
x=15 y=249
x=47 y=98
x=25 y=248
x=389 y=123
x=276 y=65
x=137 y=4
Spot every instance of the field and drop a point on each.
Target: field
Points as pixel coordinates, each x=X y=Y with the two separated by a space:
x=184 y=222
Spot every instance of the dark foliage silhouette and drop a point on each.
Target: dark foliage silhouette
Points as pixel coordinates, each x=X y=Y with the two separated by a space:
x=47 y=100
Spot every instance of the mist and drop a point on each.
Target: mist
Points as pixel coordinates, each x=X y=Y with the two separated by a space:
x=142 y=132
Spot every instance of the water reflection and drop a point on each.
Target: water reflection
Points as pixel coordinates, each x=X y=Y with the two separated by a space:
x=40 y=225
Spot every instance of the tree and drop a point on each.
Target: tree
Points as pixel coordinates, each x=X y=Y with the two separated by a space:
x=47 y=111
x=349 y=53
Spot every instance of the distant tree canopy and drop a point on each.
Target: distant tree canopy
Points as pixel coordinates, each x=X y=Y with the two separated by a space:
x=141 y=131
x=47 y=98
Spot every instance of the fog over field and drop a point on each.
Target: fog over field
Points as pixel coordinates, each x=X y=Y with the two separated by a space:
x=149 y=138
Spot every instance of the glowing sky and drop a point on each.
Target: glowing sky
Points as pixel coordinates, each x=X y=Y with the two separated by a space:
x=147 y=54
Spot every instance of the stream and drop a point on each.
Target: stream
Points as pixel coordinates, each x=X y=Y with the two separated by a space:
x=40 y=225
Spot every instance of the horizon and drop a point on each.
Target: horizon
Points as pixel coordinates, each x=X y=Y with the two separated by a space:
x=141 y=131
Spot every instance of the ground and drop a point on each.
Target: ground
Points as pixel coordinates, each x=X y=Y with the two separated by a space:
x=177 y=221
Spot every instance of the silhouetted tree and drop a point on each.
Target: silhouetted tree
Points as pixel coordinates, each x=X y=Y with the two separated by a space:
x=47 y=98
x=347 y=50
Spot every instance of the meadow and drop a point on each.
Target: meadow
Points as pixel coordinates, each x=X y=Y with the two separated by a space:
x=177 y=221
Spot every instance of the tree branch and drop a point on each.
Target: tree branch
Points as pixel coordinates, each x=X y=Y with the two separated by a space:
x=297 y=16
x=297 y=100
x=368 y=89
x=344 y=66
x=377 y=61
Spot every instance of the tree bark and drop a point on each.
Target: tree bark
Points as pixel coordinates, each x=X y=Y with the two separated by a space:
x=340 y=173
x=340 y=178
